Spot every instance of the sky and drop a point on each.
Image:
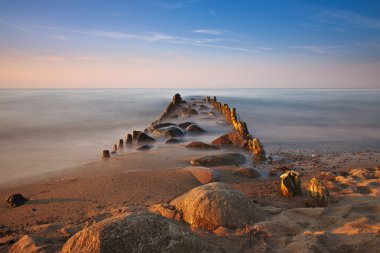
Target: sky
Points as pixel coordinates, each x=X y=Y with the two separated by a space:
x=190 y=44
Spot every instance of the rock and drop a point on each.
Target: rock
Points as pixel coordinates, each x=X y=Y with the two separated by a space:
x=15 y=200
x=161 y=125
x=171 y=131
x=291 y=184
x=144 y=138
x=193 y=128
x=187 y=112
x=222 y=159
x=203 y=108
x=114 y=149
x=144 y=147
x=171 y=141
x=121 y=143
x=139 y=232
x=129 y=139
x=184 y=125
x=258 y=150
x=177 y=99
x=246 y=172
x=228 y=139
x=203 y=175
x=135 y=133
x=201 y=145
x=216 y=205
x=29 y=244
x=318 y=192
x=105 y=154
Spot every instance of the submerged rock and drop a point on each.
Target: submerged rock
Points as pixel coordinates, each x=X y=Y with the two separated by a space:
x=193 y=128
x=184 y=125
x=203 y=175
x=141 y=232
x=291 y=183
x=246 y=172
x=171 y=131
x=161 y=125
x=221 y=159
x=187 y=112
x=201 y=145
x=203 y=108
x=144 y=147
x=144 y=138
x=15 y=200
x=172 y=141
x=216 y=205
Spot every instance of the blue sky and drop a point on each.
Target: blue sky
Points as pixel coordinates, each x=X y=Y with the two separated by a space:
x=190 y=43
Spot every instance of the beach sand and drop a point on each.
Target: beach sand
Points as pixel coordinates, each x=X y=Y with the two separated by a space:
x=62 y=203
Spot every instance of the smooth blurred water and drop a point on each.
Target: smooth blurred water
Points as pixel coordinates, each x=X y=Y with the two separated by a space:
x=44 y=130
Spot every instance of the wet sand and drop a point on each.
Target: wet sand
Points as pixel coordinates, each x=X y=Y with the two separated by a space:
x=64 y=202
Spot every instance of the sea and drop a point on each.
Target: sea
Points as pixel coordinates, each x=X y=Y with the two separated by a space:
x=44 y=130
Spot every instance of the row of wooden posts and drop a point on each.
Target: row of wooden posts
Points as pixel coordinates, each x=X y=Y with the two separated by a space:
x=253 y=144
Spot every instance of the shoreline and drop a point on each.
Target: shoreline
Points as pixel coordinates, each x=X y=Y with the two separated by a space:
x=69 y=200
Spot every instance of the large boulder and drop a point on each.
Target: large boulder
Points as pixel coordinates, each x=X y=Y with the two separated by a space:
x=216 y=205
x=139 y=232
x=144 y=138
x=201 y=145
x=220 y=159
x=203 y=175
x=169 y=132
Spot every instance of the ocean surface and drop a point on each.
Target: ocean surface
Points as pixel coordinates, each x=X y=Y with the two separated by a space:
x=42 y=130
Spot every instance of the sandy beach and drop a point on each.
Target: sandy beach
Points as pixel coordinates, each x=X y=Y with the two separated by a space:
x=63 y=205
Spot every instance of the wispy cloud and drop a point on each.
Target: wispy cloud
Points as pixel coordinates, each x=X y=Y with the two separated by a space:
x=152 y=37
x=59 y=37
x=210 y=31
x=317 y=49
x=348 y=18
x=173 y=4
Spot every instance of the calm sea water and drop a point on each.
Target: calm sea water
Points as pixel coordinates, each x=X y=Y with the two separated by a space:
x=44 y=130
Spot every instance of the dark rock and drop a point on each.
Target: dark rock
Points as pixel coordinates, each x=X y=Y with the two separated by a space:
x=129 y=139
x=193 y=128
x=114 y=149
x=15 y=200
x=184 y=125
x=144 y=147
x=106 y=154
x=177 y=99
x=246 y=172
x=363 y=190
x=121 y=143
x=171 y=131
x=144 y=138
x=222 y=159
x=172 y=141
x=202 y=145
x=161 y=125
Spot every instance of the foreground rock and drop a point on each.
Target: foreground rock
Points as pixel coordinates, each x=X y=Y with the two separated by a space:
x=171 y=141
x=203 y=175
x=15 y=200
x=318 y=194
x=144 y=147
x=201 y=145
x=229 y=139
x=246 y=172
x=221 y=159
x=30 y=244
x=216 y=205
x=141 y=232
